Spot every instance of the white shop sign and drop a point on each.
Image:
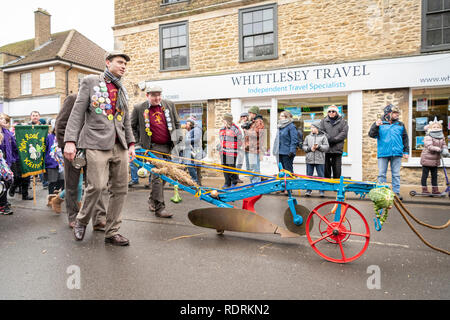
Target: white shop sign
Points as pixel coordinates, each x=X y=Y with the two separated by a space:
x=23 y=107
x=419 y=71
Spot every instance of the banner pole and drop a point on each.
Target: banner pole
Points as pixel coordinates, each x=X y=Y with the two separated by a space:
x=34 y=190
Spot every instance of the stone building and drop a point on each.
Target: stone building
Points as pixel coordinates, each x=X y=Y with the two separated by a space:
x=38 y=74
x=217 y=56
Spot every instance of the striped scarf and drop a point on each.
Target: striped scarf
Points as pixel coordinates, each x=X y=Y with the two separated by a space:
x=122 y=95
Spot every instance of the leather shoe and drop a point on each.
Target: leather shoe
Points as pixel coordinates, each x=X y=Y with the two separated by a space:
x=79 y=231
x=27 y=198
x=163 y=214
x=117 y=240
x=100 y=226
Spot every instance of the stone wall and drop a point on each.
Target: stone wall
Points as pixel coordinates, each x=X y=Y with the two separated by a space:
x=309 y=32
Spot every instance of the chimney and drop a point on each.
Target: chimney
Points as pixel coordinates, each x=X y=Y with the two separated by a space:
x=41 y=27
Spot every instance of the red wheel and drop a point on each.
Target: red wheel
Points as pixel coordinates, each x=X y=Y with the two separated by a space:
x=344 y=241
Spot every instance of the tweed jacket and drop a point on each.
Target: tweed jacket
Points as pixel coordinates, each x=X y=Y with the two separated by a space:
x=63 y=117
x=92 y=130
x=138 y=123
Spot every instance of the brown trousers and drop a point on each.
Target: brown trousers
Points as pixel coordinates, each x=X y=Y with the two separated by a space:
x=105 y=169
x=71 y=180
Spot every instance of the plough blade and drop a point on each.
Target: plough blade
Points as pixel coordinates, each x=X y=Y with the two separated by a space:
x=238 y=220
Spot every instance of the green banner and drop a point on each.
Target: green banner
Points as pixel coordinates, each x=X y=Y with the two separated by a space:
x=31 y=144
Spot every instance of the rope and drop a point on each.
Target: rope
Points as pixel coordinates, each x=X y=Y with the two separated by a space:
x=396 y=203
x=421 y=222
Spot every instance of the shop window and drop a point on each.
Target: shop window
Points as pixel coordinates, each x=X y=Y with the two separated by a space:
x=258 y=33
x=174 y=46
x=428 y=104
x=196 y=111
x=306 y=111
x=435 y=25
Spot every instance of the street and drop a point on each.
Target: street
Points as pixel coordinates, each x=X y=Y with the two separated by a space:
x=173 y=259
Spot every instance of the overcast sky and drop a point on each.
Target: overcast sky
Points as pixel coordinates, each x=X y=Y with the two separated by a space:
x=92 y=18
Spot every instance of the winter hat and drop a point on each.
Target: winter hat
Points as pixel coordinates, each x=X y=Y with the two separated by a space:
x=433 y=123
x=316 y=124
x=228 y=117
x=333 y=108
x=244 y=114
x=191 y=121
x=254 y=110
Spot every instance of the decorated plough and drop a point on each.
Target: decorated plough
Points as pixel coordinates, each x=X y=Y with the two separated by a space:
x=336 y=230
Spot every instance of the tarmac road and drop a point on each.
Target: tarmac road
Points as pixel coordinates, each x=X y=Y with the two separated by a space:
x=173 y=259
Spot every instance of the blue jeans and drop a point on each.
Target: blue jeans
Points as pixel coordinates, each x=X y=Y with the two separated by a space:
x=320 y=169
x=133 y=171
x=252 y=161
x=396 y=163
x=193 y=172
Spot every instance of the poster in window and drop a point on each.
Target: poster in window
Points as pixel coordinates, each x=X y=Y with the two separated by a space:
x=419 y=143
x=307 y=125
x=295 y=111
x=192 y=112
x=422 y=104
x=421 y=122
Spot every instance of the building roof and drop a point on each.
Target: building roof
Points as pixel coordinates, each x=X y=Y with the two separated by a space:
x=70 y=46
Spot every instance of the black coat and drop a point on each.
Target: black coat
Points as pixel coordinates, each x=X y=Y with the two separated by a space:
x=336 y=133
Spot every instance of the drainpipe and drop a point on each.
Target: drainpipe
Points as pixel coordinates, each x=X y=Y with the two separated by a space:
x=67 y=80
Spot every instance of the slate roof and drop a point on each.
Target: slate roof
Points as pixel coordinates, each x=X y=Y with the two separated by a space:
x=70 y=46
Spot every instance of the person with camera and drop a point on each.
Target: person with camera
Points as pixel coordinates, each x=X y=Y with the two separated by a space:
x=254 y=138
x=392 y=145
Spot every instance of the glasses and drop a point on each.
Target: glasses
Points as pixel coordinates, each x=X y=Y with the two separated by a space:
x=332 y=111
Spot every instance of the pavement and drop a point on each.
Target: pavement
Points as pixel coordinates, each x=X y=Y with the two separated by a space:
x=174 y=259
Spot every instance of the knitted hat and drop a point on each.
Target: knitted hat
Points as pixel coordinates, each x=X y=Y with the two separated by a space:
x=316 y=124
x=333 y=108
x=228 y=117
x=244 y=114
x=254 y=110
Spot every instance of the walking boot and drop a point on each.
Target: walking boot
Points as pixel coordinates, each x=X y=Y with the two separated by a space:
x=435 y=190
x=56 y=204
x=425 y=190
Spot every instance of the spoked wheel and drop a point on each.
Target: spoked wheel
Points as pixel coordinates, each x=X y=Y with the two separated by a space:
x=336 y=239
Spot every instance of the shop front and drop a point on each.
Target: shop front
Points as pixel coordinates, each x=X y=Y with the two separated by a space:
x=308 y=91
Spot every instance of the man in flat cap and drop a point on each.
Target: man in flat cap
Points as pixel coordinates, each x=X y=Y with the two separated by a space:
x=156 y=125
x=100 y=125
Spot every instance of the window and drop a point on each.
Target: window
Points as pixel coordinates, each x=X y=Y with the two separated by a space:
x=47 y=80
x=258 y=33
x=435 y=25
x=172 y=1
x=427 y=104
x=25 y=83
x=174 y=46
x=306 y=111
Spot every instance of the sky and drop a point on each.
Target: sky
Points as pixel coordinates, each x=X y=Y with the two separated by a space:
x=92 y=18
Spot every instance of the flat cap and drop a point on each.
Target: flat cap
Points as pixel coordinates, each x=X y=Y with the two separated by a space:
x=151 y=89
x=116 y=53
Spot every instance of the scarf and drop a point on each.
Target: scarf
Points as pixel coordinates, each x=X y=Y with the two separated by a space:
x=283 y=123
x=436 y=134
x=122 y=95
